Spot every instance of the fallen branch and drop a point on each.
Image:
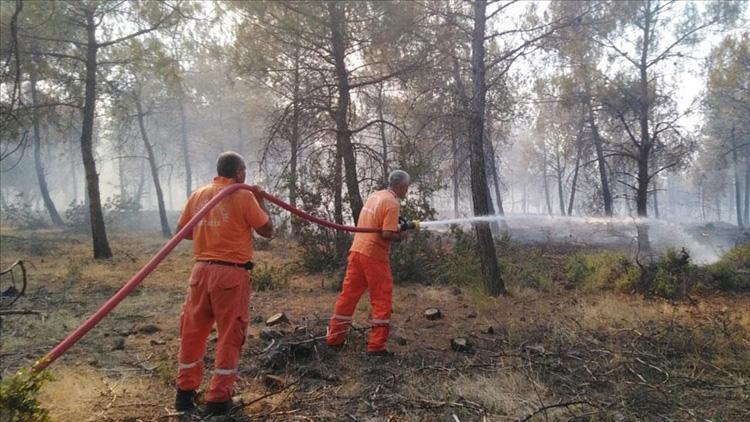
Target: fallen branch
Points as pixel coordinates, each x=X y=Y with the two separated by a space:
x=20 y=312
x=250 y=403
x=552 y=406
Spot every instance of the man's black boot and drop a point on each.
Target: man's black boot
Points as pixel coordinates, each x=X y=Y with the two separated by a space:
x=185 y=400
x=218 y=408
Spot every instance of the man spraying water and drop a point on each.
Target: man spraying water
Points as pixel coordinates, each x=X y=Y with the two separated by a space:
x=369 y=266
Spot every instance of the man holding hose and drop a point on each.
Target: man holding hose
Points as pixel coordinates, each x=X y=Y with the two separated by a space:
x=219 y=284
x=369 y=266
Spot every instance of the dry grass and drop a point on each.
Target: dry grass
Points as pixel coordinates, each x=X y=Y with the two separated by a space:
x=547 y=347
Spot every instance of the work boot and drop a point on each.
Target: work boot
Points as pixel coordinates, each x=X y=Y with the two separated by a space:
x=218 y=408
x=185 y=400
x=224 y=407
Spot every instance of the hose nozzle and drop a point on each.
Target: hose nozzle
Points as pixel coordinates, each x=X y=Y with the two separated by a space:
x=408 y=225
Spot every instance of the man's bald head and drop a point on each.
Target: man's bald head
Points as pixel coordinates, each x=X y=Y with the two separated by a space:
x=231 y=165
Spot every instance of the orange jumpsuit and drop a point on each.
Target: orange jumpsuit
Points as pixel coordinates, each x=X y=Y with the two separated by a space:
x=218 y=292
x=369 y=267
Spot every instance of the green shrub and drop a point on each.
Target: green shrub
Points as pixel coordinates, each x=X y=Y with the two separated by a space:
x=731 y=272
x=18 y=397
x=20 y=213
x=606 y=270
x=77 y=216
x=672 y=277
x=413 y=259
x=738 y=257
x=119 y=212
x=665 y=284
x=268 y=277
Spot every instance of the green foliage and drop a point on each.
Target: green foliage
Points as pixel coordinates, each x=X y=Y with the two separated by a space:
x=122 y=212
x=672 y=277
x=431 y=258
x=320 y=250
x=18 y=397
x=730 y=273
x=77 y=216
x=20 y=213
x=269 y=277
x=602 y=270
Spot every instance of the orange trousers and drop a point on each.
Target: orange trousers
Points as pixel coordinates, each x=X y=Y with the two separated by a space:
x=220 y=294
x=363 y=272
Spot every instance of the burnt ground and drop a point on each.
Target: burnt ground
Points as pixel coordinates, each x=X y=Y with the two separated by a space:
x=551 y=354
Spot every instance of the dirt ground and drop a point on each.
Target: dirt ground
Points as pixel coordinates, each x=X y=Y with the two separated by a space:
x=559 y=354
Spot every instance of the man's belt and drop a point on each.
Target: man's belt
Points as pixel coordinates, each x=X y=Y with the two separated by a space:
x=247 y=265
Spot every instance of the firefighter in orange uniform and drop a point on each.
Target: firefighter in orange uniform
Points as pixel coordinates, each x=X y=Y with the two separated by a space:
x=220 y=281
x=369 y=266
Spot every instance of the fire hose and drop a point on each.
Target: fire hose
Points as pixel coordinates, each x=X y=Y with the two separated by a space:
x=155 y=260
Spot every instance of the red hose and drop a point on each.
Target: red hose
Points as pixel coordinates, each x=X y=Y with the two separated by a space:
x=125 y=290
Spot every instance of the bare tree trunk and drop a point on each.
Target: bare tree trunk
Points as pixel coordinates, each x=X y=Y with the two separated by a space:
x=495 y=176
x=343 y=134
x=656 y=200
x=141 y=184
x=737 y=187
x=746 y=204
x=599 y=148
x=574 y=182
x=644 y=150
x=545 y=178
x=184 y=145
x=718 y=208
x=493 y=281
x=455 y=175
x=98 y=230
x=294 y=143
x=383 y=139
x=560 y=172
x=73 y=173
x=39 y=167
x=165 y=230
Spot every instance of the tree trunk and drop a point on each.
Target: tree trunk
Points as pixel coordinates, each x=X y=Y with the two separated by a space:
x=294 y=143
x=495 y=176
x=343 y=134
x=718 y=208
x=455 y=175
x=141 y=184
x=493 y=281
x=560 y=172
x=383 y=139
x=737 y=187
x=184 y=145
x=165 y=230
x=545 y=178
x=599 y=148
x=40 y=176
x=746 y=199
x=98 y=230
x=644 y=150
x=656 y=200
x=574 y=182
x=73 y=173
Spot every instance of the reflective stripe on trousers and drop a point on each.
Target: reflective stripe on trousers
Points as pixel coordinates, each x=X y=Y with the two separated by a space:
x=362 y=273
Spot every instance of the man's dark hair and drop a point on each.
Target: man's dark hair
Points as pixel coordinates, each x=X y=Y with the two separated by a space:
x=229 y=163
